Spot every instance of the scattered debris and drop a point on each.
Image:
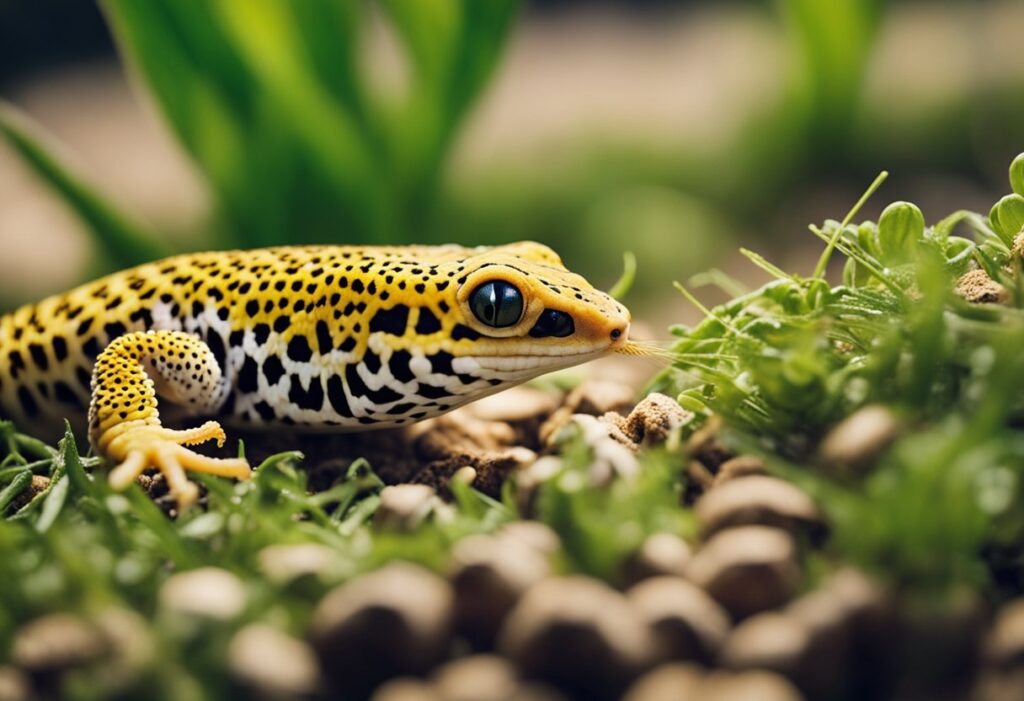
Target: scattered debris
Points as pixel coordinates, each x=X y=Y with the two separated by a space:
x=489 y=575
x=687 y=623
x=269 y=664
x=659 y=554
x=978 y=288
x=207 y=592
x=757 y=500
x=404 y=507
x=391 y=622
x=748 y=569
x=860 y=438
x=579 y=635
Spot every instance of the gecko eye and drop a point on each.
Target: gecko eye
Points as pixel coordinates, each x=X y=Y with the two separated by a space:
x=497 y=303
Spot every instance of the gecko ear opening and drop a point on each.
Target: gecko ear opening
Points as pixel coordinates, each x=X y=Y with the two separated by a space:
x=497 y=303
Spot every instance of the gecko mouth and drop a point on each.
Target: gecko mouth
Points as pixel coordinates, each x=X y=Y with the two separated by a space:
x=538 y=361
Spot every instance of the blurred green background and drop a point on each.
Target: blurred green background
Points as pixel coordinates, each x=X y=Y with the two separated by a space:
x=676 y=130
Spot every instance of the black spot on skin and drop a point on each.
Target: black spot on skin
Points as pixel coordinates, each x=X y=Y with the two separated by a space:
x=38 y=356
x=83 y=328
x=64 y=394
x=311 y=398
x=420 y=287
x=398 y=363
x=91 y=348
x=336 y=395
x=299 y=350
x=392 y=321
x=28 y=402
x=84 y=377
x=432 y=392
x=273 y=370
x=248 y=381
x=427 y=323
x=60 y=348
x=384 y=395
x=462 y=331
x=216 y=345
x=265 y=411
x=401 y=408
x=236 y=338
x=441 y=285
x=197 y=308
x=144 y=316
x=348 y=345
x=116 y=329
x=357 y=285
x=323 y=338
x=372 y=361
x=442 y=362
x=467 y=379
x=252 y=307
x=261 y=332
x=281 y=323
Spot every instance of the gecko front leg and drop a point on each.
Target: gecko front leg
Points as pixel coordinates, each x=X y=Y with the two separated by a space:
x=124 y=422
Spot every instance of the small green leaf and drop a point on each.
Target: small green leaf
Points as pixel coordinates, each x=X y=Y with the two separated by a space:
x=73 y=463
x=14 y=488
x=900 y=227
x=203 y=526
x=54 y=504
x=1017 y=174
x=1007 y=217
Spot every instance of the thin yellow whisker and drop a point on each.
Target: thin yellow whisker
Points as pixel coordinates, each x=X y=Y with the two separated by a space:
x=646 y=349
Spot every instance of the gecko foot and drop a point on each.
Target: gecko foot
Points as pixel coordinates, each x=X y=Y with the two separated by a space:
x=141 y=447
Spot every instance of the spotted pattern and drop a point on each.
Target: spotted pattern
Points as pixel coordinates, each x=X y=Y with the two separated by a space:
x=344 y=337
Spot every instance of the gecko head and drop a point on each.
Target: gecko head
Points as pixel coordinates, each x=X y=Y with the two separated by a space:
x=526 y=314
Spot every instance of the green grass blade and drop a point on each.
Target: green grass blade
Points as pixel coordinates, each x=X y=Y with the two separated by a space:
x=124 y=243
x=622 y=286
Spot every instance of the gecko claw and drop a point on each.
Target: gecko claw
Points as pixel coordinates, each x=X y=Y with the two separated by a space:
x=148 y=446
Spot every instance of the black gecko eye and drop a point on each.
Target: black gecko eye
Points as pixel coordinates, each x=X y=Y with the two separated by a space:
x=553 y=323
x=497 y=303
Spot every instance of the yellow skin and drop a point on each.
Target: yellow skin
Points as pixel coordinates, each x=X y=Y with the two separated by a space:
x=322 y=337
